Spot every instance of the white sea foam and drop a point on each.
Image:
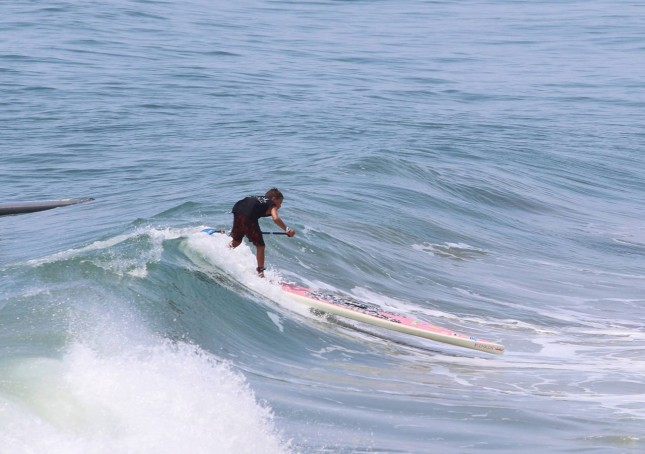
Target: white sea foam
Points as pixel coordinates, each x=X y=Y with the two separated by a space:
x=148 y=250
x=166 y=398
x=239 y=264
x=117 y=387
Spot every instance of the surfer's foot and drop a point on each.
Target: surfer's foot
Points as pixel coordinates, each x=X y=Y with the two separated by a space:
x=260 y=271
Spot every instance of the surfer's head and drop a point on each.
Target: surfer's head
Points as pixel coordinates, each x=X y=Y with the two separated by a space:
x=274 y=193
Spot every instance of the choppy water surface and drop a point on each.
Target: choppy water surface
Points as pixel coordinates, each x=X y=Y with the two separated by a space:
x=475 y=164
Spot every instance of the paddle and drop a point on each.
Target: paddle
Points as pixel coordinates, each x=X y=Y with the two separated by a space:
x=211 y=231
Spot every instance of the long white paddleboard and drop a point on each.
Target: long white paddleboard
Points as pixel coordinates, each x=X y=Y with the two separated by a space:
x=374 y=315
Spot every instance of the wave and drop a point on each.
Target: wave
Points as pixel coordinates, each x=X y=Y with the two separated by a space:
x=166 y=398
x=159 y=339
x=106 y=371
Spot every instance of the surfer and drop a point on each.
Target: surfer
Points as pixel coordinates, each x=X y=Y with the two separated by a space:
x=247 y=212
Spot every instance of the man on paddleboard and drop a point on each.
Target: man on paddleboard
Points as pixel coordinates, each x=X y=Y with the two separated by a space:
x=247 y=212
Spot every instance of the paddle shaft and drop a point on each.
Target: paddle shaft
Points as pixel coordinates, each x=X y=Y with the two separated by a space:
x=211 y=231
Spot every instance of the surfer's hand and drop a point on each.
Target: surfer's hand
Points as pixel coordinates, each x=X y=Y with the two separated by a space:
x=290 y=232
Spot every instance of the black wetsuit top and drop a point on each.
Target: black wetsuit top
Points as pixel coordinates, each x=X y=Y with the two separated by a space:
x=254 y=207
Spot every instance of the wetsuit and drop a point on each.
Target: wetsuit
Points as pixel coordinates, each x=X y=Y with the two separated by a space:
x=246 y=214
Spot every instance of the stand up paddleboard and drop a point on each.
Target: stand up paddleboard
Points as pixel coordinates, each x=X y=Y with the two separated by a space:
x=31 y=207
x=373 y=314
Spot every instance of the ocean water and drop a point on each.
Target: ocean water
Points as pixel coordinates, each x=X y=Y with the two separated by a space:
x=477 y=164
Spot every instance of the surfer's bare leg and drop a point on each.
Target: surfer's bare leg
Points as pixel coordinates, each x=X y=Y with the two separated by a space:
x=260 y=256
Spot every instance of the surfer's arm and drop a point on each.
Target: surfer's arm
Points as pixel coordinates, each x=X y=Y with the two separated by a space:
x=280 y=223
